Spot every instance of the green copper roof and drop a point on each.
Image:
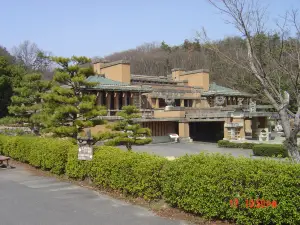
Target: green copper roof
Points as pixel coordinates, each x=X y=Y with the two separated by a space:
x=112 y=85
x=215 y=89
x=104 y=81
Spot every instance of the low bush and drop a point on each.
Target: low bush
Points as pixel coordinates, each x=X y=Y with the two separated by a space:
x=77 y=169
x=205 y=184
x=45 y=153
x=270 y=150
x=137 y=174
x=11 y=121
x=228 y=144
x=202 y=184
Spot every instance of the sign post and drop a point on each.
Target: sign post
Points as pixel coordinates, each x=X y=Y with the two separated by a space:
x=85 y=150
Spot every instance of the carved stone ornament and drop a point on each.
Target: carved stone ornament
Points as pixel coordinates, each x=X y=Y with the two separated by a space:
x=252 y=106
x=240 y=101
x=219 y=100
x=170 y=101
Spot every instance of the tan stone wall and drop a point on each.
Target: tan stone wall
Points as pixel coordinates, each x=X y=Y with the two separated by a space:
x=176 y=74
x=226 y=135
x=119 y=72
x=197 y=79
x=242 y=129
x=152 y=102
x=203 y=104
x=181 y=102
x=184 y=130
x=97 y=67
x=192 y=95
x=248 y=124
x=168 y=114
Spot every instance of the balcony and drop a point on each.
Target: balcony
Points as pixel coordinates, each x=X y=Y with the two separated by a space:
x=175 y=113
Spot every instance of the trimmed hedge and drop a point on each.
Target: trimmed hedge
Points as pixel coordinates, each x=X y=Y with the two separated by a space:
x=201 y=184
x=270 y=150
x=137 y=174
x=228 y=144
x=204 y=184
x=77 y=169
x=45 y=153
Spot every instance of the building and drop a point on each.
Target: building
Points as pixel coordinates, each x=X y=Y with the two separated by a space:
x=184 y=102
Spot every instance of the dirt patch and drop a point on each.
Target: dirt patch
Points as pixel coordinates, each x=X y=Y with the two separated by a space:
x=160 y=207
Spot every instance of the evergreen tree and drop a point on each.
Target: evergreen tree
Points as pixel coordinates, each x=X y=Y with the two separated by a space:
x=26 y=103
x=10 y=75
x=67 y=107
x=126 y=131
x=165 y=47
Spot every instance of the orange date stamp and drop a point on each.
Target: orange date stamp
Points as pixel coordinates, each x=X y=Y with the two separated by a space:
x=253 y=203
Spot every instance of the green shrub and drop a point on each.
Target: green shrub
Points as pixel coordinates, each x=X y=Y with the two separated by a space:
x=204 y=185
x=137 y=174
x=270 y=150
x=11 y=121
x=247 y=145
x=201 y=184
x=228 y=144
x=45 y=153
x=77 y=169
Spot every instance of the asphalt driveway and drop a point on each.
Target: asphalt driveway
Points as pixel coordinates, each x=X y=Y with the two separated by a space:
x=180 y=149
x=26 y=199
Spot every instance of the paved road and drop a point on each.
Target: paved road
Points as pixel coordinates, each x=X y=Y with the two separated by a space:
x=26 y=199
x=180 y=149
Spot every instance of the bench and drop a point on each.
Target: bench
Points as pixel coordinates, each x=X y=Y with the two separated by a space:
x=4 y=158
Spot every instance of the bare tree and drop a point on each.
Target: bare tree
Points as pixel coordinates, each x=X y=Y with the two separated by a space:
x=273 y=59
x=32 y=57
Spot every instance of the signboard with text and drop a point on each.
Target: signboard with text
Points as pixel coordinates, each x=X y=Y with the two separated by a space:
x=85 y=152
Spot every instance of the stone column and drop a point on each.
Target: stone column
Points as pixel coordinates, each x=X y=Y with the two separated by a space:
x=254 y=127
x=140 y=100
x=131 y=98
x=248 y=126
x=229 y=101
x=226 y=135
x=100 y=98
x=116 y=99
x=181 y=102
x=184 y=130
x=241 y=132
x=157 y=103
x=108 y=101
x=124 y=98
x=194 y=103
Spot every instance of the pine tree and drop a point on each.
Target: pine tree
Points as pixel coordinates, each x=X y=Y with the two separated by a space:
x=126 y=131
x=68 y=108
x=26 y=103
x=10 y=75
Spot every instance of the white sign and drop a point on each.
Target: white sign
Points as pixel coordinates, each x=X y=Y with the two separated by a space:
x=85 y=153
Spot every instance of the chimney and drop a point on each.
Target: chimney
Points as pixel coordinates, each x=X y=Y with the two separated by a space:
x=118 y=71
x=197 y=78
x=176 y=72
x=98 y=65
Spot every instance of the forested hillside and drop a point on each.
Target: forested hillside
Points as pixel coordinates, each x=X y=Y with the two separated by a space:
x=159 y=59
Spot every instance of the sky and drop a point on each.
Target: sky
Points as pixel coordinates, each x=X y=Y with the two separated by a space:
x=101 y=27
